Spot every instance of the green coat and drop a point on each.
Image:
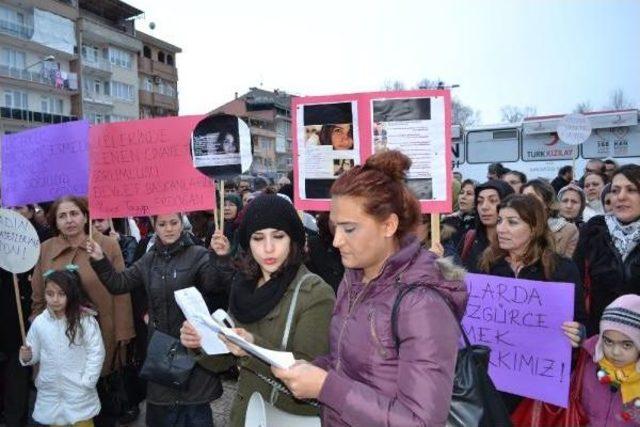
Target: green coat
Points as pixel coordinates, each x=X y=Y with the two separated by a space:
x=308 y=338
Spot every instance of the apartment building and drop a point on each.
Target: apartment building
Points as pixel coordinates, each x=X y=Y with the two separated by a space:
x=61 y=60
x=158 y=72
x=37 y=47
x=108 y=61
x=269 y=117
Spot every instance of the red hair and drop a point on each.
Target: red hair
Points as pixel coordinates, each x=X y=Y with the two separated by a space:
x=380 y=182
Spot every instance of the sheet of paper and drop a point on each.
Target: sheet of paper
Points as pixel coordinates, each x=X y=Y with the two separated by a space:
x=195 y=310
x=280 y=359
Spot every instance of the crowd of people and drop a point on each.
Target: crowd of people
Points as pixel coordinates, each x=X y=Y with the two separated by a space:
x=322 y=286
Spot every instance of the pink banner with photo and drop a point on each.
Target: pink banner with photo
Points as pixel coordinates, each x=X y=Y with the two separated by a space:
x=144 y=167
x=332 y=134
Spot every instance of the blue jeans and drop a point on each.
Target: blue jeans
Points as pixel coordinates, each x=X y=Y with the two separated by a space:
x=179 y=415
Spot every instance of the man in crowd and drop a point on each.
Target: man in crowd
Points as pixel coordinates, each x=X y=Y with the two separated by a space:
x=564 y=178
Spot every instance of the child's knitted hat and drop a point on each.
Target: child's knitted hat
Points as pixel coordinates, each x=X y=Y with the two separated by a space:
x=622 y=315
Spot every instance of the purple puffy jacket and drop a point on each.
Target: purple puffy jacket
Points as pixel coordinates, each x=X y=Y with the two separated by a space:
x=369 y=383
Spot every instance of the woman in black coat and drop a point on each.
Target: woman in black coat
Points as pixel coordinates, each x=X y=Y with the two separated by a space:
x=487 y=198
x=608 y=252
x=524 y=250
x=174 y=262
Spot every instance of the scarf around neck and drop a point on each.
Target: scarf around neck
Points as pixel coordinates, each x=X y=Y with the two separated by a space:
x=627 y=376
x=556 y=223
x=249 y=303
x=625 y=237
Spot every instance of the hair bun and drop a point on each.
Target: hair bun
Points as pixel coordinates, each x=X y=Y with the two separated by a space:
x=392 y=163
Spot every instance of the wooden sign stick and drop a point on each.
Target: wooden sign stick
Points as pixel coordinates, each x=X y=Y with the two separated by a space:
x=222 y=205
x=435 y=229
x=19 y=307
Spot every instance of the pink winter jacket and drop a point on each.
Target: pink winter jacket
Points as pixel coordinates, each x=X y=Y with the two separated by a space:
x=369 y=383
x=603 y=407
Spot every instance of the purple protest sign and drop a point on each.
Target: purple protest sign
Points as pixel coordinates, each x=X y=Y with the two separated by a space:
x=45 y=163
x=521 y=321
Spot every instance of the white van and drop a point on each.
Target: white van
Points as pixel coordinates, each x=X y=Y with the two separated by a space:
x=533 y=146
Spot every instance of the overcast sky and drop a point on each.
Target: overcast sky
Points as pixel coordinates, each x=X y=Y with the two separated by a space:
x=550 y=54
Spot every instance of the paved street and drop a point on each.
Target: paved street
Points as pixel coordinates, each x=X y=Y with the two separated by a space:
x=221 y=407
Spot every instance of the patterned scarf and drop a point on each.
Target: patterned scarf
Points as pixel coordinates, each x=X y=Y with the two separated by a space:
x=625 y=236
x=627 y=377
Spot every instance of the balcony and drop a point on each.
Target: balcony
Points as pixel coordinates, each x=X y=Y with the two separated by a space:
x=156 y=68
x=98 y=99
x=100 y=66
x=54 y=79
x=16 y=29
x=34 y=116
x=155 y=99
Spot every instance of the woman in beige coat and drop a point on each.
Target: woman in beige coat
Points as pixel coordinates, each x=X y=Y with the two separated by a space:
x=69 y=221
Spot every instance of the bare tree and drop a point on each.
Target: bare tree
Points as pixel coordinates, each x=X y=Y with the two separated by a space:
x=461 y=114
x=429 y=84
x=583 y=107
x=513 y=114
x=619 y=101
x=390 y=85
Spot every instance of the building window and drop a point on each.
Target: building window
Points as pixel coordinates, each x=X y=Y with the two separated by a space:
x=11 y=15
x=122 y=91
x=49 y=104
x=90 y=53
x=16 y=99
x=161 y=56
x=170 y=59
x=146 y=83
x=12 y=58
x=146 y=52
x=114 y=118
x=169 y=90
x=120 y=57
x=145 y=112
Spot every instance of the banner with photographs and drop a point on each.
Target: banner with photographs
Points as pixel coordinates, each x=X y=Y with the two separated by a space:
x=221 y=146
x=336 y=133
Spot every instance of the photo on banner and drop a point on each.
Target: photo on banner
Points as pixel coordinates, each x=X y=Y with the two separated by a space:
x=221 y=146
x=411 y=126
x=335 y=133
x=330 y=146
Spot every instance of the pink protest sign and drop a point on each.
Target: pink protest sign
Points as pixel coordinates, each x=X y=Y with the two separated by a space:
x=521 y=321
x=144 y=167
x=332 y=134
x=44 y=163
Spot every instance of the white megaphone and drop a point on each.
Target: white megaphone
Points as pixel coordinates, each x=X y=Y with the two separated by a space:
x=262 y=414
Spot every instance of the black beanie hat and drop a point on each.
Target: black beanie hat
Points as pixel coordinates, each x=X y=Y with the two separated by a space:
x=501 y=187
x=270 y=211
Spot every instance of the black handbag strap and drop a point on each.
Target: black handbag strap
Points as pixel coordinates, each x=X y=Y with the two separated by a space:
x=402 y=292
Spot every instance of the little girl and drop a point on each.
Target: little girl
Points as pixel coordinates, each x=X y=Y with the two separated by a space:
x=65 y=339
x=611 y=379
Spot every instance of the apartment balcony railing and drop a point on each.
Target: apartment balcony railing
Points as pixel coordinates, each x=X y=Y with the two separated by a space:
x=34 y=116
x=56 y=79
x=16 y=29
x=97 y=99
x=100 y=64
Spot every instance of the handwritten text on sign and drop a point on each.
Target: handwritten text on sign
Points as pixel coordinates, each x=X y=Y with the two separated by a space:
x=45 y=163
x=144 y=167
x=19 y=243
x=521 y=321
